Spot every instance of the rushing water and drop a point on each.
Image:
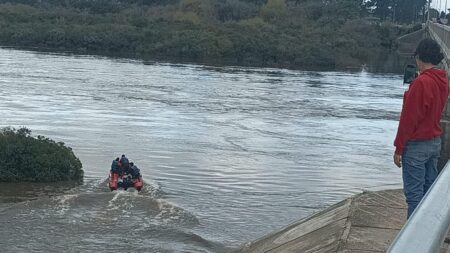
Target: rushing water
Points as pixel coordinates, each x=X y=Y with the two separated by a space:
x=228 y=154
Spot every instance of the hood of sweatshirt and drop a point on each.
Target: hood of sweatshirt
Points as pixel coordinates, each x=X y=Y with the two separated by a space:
x=438 y=75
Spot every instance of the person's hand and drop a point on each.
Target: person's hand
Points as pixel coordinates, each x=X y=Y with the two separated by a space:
x=398 y=160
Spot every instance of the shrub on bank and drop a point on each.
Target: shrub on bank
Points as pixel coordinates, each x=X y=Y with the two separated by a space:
x=24 y=158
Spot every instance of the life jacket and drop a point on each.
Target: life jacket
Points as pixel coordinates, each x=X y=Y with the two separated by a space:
x=115 y=165
x=124 y=161
x=135 y=171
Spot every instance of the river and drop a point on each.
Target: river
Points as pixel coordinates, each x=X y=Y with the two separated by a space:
x=228 y=154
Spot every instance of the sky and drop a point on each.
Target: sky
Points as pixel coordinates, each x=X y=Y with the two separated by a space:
x=440 y=4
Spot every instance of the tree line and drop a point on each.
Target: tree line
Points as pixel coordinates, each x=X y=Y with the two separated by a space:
x=325 y=34
x=399 y=11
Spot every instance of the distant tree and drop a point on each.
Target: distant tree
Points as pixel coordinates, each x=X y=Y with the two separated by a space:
x=403 y=11
x=347 y=9
x=434 y=13
x=229 y=10
x=380 y=8
x=201 y=8
x=257 y=2
x=274 y=9
x=295 y=2
x=407 y=11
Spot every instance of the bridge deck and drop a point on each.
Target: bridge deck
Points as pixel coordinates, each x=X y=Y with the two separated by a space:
x=365 y=223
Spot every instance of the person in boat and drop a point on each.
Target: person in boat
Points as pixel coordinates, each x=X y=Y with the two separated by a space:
x=128 y=175
x=134 y=170
x=115 y=167
x=124 y=164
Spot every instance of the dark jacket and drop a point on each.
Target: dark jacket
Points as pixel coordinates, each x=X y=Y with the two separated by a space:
x=135 y=172
x=115 y=166
x=124 y=161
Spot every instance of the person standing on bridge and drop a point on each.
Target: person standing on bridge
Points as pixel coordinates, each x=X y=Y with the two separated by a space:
x=418 y=141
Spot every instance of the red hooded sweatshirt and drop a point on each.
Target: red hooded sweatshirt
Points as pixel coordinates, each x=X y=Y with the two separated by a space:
x=423 y=104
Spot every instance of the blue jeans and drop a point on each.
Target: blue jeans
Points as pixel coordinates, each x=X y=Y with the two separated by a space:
x=419 y=162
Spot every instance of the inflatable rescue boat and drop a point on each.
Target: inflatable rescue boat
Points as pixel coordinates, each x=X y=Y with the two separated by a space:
x=124 y=181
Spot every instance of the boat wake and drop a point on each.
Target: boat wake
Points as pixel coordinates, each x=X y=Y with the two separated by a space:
x=88 y=219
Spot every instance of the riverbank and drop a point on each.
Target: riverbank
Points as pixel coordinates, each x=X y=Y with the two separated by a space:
x=306 y=36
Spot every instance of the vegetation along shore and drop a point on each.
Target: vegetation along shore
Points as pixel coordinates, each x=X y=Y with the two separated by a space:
x=299 y=34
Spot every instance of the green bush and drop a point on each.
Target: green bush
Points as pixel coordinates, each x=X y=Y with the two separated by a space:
x=24 y=158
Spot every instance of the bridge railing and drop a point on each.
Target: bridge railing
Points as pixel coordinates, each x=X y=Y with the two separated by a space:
x=425 y=230
x=441 y=33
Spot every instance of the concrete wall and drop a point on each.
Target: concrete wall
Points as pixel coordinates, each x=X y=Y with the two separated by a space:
x=407 y=44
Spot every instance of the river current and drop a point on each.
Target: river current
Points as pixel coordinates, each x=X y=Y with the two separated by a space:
x=228 y=154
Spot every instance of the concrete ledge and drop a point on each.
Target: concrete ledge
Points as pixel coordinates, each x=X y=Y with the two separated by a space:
x=367 y=222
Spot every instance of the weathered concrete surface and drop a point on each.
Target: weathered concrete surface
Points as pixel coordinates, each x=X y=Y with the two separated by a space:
x=367 y=222
x=407 y=44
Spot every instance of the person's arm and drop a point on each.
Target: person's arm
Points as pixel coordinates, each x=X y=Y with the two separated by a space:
x=136 y=171
x=413 y=110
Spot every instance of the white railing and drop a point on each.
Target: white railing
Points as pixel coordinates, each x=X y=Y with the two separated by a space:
x=427 y=227
x=441 y=33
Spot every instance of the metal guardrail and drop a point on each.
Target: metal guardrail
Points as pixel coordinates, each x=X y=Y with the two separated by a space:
x=427 y=227
x=441 y=34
